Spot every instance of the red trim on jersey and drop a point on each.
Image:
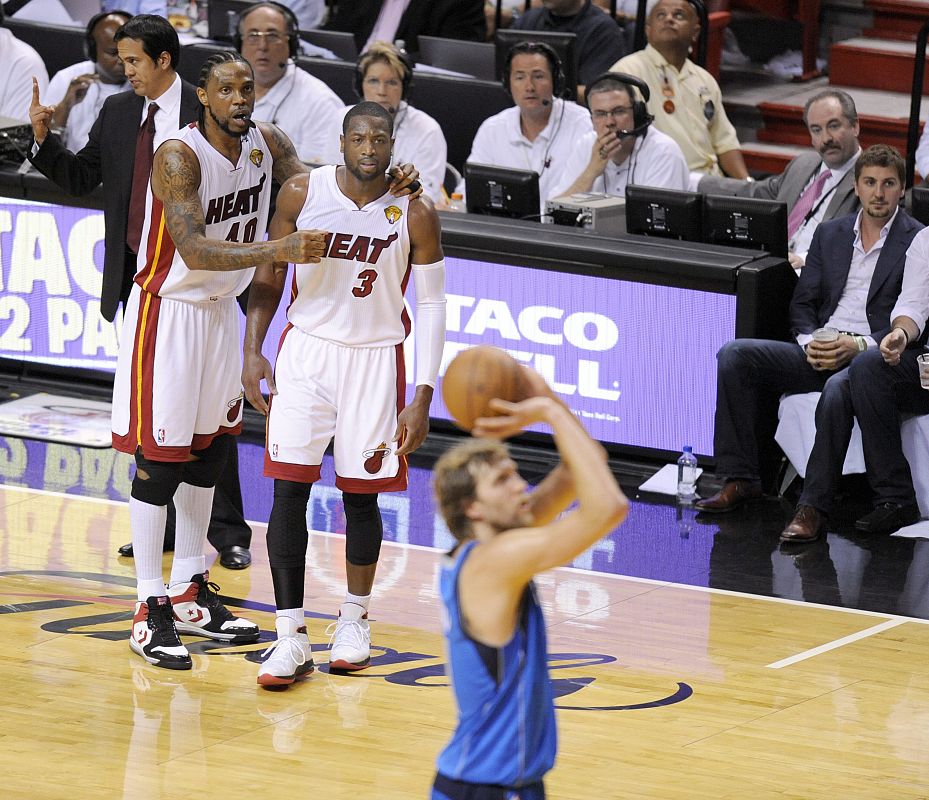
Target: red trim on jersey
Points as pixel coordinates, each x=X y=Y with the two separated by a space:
x=159 y=251
x=298 y=473
x=404 y=316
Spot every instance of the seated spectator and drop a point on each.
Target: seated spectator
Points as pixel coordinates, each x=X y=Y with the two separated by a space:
x=384 y=76
x=302 y=106
x=816 y=186
x=851 y=282
x=406 y=20
x=78 y=91
x=623 y=147
x=19 y=63
x=540 y=132
x=599 y=40
x=686 y=100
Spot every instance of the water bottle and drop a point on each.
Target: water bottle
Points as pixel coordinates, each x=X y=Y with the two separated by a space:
x=457 y=202
x=687 y=475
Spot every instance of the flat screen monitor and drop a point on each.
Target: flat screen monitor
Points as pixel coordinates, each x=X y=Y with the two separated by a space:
x=664 y=212
x=340 y=43
x=563 y=44
x=222 y=17
x=920 y=204
x=746 y=222
x=501 y=192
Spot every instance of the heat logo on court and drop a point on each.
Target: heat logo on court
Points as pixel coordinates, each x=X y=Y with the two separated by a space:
x=256 y=156
x=374 y=458
x=393 y=214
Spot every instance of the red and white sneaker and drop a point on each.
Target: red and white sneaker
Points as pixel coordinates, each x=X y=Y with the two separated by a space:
x=197 y=611
x=154 y=636
x=289 y=658
x=349 y=643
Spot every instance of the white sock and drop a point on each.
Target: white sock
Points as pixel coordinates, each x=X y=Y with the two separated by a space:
x=287 y=621
x=148 y=537
x=194 y=504
x=355 y=606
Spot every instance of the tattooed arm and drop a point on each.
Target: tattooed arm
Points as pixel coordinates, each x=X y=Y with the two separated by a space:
x=175 y=181
x=286 y=161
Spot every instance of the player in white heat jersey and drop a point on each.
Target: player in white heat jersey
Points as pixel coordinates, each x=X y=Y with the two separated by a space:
x=176 y=394
x=339 y=373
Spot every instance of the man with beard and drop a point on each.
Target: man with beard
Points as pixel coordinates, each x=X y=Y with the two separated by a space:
x=340 y=374
x=850 y=283
x=816 y=186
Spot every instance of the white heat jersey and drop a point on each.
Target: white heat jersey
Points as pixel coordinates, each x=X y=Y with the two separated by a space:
x=235 y=201
x=354 y=296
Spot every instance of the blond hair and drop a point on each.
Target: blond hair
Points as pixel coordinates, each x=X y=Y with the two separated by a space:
x=455 y=480
x=387 y=53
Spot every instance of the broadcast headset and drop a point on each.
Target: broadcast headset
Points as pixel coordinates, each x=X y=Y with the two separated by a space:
x=641 y=119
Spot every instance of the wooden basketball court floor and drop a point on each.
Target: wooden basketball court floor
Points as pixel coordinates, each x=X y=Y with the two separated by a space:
x=665 y=690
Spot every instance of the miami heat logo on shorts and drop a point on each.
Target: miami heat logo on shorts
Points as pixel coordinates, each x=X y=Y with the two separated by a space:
x=234 y=406
x=393 y=214
x=374 y=458
x=256 y=156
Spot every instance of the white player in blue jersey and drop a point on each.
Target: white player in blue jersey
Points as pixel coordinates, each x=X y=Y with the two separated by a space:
x=506 y=741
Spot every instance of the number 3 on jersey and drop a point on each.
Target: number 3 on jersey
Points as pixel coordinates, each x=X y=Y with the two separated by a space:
x=367 y=278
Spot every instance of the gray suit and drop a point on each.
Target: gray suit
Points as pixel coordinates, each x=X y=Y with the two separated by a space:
x=788 y=185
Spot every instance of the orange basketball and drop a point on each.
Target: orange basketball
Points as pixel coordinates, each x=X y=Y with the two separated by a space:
x=474 y=378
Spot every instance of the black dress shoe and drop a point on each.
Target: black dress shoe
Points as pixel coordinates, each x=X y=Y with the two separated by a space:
x=887 y=518
x=235 y=557
x=126 y=549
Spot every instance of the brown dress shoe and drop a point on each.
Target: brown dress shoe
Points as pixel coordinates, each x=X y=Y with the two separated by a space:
x=731 y=496
x=806 y=526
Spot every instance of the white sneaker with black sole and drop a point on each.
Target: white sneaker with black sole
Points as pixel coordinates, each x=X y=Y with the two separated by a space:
x=198 y=611
x=154 y=636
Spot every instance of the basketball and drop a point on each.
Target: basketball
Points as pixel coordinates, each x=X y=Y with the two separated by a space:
x=474 y=378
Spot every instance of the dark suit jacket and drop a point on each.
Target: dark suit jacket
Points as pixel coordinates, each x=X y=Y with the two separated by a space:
x=451 y=19
x=788 y=186
x=108 y=157
x=823 y=277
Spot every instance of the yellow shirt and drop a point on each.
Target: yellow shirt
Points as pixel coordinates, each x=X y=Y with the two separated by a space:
x=700 y=139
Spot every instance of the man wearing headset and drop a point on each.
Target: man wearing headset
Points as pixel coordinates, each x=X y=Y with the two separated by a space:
x=623 y=147
x=78 y=91
x=383 y=76
x=540 y=132
x=299 y=104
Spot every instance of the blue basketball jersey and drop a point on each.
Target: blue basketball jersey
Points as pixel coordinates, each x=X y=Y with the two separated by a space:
x=506 y=715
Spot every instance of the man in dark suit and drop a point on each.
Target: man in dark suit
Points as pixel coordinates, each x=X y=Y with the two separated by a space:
x=451 y=19
x=823 y=180
x=109 y=158
x=850 y=283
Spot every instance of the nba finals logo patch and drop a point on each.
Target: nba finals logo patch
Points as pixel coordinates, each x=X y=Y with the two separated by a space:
x=256 y=156
x=393 y=214
x=374 y=458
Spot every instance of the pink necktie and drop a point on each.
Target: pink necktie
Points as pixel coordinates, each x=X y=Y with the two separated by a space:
x=805 y=203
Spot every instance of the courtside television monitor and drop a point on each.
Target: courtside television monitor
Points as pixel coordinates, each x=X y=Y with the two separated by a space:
x=564 y=44
x=222 y=17
x=746 y=222
x=669 y=213
x=501 y=192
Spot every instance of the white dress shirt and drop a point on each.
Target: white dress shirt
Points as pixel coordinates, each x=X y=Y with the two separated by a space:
x=83 y=114
x=913 y=301
x=418 y=140
x=800 y=243
x=655 y=160
x=168 y=115
x=851 y=314
x=18 y=63
x=304 y=108
x=500 y=142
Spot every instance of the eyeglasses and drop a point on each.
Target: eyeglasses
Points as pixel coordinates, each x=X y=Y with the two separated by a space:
x=271 y=37
x=619 y=111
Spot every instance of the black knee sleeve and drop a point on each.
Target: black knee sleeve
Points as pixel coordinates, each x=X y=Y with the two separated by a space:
x=287 y=533
x=209 y=463
x=155 y=482
x=363 y=528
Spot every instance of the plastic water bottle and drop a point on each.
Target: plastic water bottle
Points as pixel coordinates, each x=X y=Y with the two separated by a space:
x=687 y=475
x=457 y=202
